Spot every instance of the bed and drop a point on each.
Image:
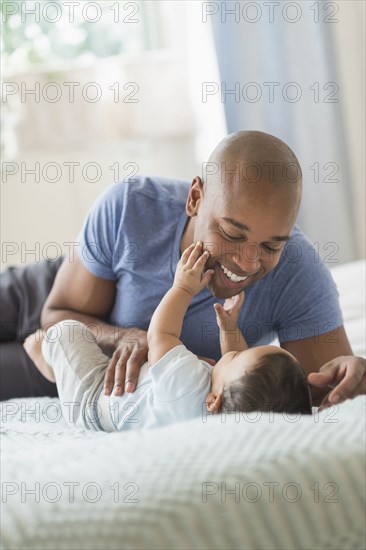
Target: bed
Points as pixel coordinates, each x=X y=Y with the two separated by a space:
x=258 y=481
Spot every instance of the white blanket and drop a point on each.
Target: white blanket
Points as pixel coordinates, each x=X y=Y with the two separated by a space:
x=252 y=482
x=300 y=483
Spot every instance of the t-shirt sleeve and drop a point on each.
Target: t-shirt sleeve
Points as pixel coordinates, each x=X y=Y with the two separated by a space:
x=99 y=234
x=304 y=295
x=178 y=373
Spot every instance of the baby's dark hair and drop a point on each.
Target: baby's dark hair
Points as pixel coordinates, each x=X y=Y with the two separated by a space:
x=277 y=384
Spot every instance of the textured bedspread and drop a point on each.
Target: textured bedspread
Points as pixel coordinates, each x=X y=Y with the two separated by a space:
x=251 y=482
x=255 y=481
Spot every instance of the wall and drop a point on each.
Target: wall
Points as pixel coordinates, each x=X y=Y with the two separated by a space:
x=82 y=147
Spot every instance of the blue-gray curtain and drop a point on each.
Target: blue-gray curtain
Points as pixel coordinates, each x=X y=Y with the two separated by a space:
x=297 y=61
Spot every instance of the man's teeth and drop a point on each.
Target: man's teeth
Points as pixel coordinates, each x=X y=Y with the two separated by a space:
x=232 y=276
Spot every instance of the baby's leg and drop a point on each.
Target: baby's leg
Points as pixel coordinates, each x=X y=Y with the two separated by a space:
x=79 y=364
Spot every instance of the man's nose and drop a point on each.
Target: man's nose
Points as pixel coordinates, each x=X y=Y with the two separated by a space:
x=248 y=258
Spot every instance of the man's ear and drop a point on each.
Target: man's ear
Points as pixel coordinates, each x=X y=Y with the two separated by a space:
x=195 y=197
x=214 y=402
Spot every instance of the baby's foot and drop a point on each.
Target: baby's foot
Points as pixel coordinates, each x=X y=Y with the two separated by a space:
x=33 y=347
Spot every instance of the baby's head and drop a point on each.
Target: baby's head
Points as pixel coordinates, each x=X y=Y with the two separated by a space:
x=265 y=378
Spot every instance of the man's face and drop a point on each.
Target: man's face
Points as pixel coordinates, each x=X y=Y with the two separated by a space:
x=245 y=231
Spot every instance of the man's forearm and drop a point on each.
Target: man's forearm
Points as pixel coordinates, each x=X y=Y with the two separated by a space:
x=108 y=336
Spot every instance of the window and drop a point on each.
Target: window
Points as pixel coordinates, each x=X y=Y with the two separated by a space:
x=40 y=32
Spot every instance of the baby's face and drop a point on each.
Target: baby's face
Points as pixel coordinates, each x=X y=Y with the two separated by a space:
x=235 y=364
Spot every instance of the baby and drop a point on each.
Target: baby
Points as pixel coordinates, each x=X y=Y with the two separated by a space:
x=174 y=385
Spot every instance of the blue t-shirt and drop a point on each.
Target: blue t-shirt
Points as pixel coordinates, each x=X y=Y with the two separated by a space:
x=132 y=236
x=173 y=390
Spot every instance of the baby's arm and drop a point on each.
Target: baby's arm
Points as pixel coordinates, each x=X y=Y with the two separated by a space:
x=166 y=323
x=231 y=338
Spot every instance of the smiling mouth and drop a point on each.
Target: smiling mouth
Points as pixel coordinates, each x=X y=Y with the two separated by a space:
x=223 y=286
x=233 y=276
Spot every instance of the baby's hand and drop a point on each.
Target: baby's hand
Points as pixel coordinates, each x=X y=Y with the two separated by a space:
x=188 y=275
x=227 y=315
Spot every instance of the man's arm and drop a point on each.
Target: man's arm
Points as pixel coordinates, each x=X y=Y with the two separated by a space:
x=313 y=353
x=77 y=294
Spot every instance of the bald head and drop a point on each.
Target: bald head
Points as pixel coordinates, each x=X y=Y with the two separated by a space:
x=247 y=161
x=244 y=208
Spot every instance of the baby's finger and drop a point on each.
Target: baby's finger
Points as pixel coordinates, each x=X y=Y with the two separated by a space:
x=194 y=255
x=200 y=262
x=219 y=310
x=187 y=252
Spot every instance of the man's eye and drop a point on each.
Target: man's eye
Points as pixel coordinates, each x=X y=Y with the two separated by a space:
x=271 y=249
x=230 y=236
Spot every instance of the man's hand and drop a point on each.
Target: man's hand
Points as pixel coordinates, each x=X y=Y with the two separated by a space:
x=346 y=375
x=189 y=274
x=227 y=315
x=124 y=367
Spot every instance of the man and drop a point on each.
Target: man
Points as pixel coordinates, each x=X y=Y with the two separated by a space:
x=244 y=210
